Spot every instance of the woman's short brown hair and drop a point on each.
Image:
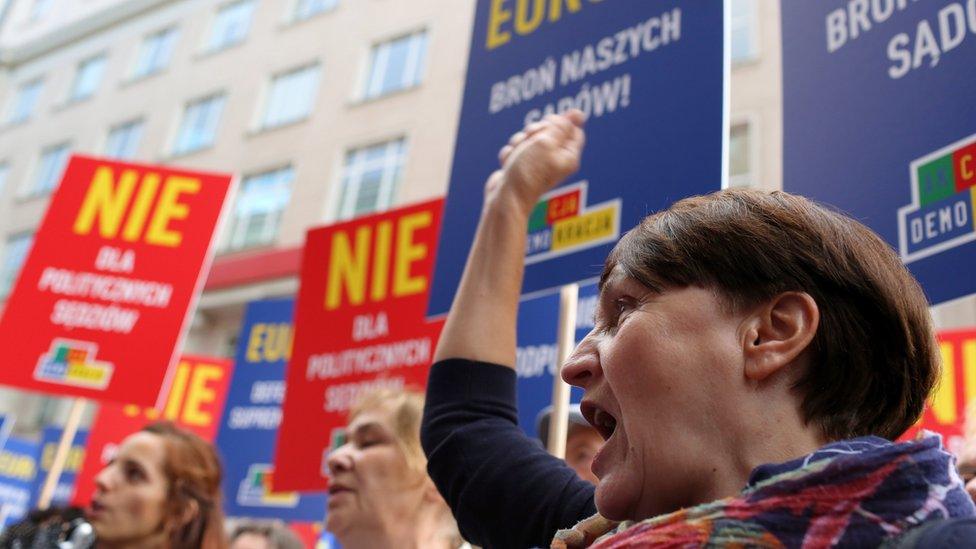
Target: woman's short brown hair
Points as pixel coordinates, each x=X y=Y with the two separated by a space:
x=194 y=474
x=873 y=358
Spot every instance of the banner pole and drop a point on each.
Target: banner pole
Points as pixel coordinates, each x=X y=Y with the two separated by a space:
x=61 y=456
x=566 y=341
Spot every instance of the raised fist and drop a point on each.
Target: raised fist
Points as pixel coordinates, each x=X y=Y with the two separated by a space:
x=538 y=158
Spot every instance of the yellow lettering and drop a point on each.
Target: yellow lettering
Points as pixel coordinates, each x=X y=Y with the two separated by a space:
x=201 y=394
x=556 y=8
x=525 y=24
x=170 y=208
x=496 y=17
x=408 y=252
x=107 y=201
x=277 y=344
x=176 y=392
x=253 y=353
x=967 y=172
x=944 y=400
x=140 y=210
x=381 y=261
x=347 y=269
x=969 y=368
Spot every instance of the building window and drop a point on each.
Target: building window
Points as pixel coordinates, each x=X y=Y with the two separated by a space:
x=199 y=126
x=740 y=156
x=744 y=30
x=291 y=96
x=49 y=169
x=25 y=101
x=4 y=172
x=370 y=177
x=123 y=140
x=231 y=25
x=155 y=52
x=257 y=214
x=305 y=9
x=14 y=254
x=396 y=65
x=87 y=78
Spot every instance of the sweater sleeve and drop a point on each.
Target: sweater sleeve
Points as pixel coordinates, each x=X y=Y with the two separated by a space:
x=505 y=490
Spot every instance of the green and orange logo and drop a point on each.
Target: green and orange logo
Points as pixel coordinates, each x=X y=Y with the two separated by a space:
x=70 y=362
x=561 y=223
x=942 y=215
x=255 y=490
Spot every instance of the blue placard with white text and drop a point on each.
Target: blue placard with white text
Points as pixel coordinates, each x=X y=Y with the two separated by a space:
x=19 y=472
x=649 y=75
x=879 y=120
x=64 y=490
x=537 y=355
x=249 y=428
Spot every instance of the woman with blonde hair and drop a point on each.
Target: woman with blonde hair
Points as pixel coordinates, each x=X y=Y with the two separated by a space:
x=379 y=491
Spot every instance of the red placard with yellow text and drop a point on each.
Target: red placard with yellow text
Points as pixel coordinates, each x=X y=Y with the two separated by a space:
x=945 y=413
x=99 y=308
x=359 y=325
x=195 y=402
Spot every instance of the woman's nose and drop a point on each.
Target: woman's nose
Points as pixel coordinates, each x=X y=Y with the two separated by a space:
x=582 y=367
x=339 y=460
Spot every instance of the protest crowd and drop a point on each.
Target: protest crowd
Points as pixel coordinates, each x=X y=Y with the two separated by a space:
x=725 y=365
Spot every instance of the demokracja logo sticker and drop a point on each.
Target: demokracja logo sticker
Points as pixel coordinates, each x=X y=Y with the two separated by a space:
x=941 y=215
x=561 y=223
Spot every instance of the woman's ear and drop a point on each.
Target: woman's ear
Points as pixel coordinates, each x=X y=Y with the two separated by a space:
x=190 y=512
x=778 y=332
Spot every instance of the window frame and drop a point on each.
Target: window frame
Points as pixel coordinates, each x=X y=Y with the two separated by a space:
x=751 y=178
x=389 y=186
x=750 y=22
x=262 y=122
x=7 y=286
x=31 y=189
x=414 y=61
x=235 y=239
x=73 y=96
x=175 y=149
x=15 y=101
x=210 y=45
x=295 y=17
x=139 y=122
x=170 y=33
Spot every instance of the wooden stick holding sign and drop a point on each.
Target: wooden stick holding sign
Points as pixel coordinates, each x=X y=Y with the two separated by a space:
x=565 y=342
x=61 y=455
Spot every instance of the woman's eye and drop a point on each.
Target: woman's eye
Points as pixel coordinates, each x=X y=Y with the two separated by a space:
x=134 y=474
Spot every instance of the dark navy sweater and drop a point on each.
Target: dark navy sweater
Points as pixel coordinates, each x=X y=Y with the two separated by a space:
x=505 y=490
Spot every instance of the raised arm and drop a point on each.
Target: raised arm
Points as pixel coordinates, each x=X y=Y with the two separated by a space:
x=505 y=490
x=481 y=323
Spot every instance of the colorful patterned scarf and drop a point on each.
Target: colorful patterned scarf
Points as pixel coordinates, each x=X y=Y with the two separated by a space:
x=854 y=493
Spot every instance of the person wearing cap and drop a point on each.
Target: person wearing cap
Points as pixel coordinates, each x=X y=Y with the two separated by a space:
x=582 y=440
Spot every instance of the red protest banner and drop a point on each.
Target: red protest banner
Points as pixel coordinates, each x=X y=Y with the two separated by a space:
x=99 y=308
x=945 y=413
x=195 y=402
x=359 y=325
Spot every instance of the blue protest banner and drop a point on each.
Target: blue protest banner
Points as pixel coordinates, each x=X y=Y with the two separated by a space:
x=651 y=78
x=537 y=355
x=879 y=121
x=63 y=491
x=249 y=428
x=18 y=474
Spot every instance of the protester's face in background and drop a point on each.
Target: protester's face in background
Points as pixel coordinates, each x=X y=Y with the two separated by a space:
x=130 y=493
x=250 y=540
x=666 y=368
x=371 y=482
x=581 y=445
